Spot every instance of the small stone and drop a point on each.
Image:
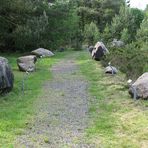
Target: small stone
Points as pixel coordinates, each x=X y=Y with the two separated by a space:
x=111 y=70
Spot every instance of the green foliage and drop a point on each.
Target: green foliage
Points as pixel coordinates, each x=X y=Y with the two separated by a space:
x=128 y=19
x=128 y=27
x=138 y=16
x=120 y=22
x=130 y=60
x=142 y=33
x=106 y=35
x=74 y=34
x=98 y=11
x=91 y=33
x=29 y=37
x=26 y=25
x=125 y=37
x=12 y=14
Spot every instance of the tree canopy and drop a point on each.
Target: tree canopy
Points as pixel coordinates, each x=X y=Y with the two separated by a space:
x=29 y=24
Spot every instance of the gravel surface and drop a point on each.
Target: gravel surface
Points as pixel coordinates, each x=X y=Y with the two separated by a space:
x=62 y=111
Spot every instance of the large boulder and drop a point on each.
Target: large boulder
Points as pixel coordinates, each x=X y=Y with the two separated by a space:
x=3 y=60
x=141 y=87
x=41 y=52
x=99 y=51
x=6 y=76
x=117 y=43
x=27 y=63
x=111 y=70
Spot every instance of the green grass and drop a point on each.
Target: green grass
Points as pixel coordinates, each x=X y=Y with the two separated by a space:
x=17 y=108
x=117 y=120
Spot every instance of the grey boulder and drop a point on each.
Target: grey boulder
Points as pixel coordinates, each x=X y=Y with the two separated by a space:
x=117 y=43
x=3 y=60
x=99 y=51
x=141 y=87
x=27 y=63
x=41 y=52
x=111 y=70
x=6 y=76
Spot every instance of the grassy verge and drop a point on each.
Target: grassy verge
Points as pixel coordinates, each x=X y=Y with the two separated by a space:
x=16 y=108
x=118 y=121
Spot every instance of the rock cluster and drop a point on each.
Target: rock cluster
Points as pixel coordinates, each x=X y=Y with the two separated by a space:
x=27 y=63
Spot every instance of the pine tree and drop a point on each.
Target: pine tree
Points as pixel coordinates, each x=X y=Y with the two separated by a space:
x=91 y=33
x=129 y=19
x=142 y=33
x=125 y=36
x=106 y=35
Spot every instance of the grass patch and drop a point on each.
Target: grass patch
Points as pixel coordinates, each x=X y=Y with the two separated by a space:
x=16 y=108
x=117 y=120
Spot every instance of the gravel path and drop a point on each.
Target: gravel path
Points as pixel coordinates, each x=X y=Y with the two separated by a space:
x=62 y=111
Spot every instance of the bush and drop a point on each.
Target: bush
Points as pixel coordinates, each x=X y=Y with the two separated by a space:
x=106 y=35
x=32 y=35
x=130 y=60
x=125 y=37
x=91 y=33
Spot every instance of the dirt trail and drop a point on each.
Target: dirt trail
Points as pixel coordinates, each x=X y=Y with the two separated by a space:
x=62 y=111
